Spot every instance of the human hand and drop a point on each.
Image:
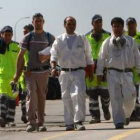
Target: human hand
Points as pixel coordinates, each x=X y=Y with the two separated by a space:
x=99 y=79
x=54 y=72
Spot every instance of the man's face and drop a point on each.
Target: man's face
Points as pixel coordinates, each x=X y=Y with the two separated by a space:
x=117 y=29
x=132 y=26
x=97 y=25
x=70 y=25
x=25 y=31
x=7 y=36
x=38 y=23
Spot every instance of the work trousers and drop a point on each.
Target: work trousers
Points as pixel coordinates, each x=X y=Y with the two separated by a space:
x=136 y=111
x=7 y=108
x=23 y=102
x=73 y=95
x=94 y=95
x=122 y=94
x=37 y=89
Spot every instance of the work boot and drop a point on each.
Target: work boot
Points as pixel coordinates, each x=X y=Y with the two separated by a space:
x=79 y=126
x=127 y=121
x=107 y=116
x=24 y=119
x=119 y=126
x=30 y=128
x=2 y=122
x=95 y=120
x=70 y=127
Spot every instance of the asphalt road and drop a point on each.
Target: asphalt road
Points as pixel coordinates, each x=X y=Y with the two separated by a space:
x=56 y=130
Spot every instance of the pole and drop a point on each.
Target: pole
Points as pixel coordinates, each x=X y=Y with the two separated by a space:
x=16 y=26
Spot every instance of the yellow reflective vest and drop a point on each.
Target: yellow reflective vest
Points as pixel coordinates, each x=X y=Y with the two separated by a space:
x=8 y=60
x=95 y=48
x=137 y=40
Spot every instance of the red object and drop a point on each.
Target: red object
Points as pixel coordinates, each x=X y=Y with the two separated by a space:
x=17 y=101
x=87 y=69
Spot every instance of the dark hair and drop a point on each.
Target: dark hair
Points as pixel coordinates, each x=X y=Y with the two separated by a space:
x=118 y=20
x=65 y=20
x=30 y=27
x=37 y=15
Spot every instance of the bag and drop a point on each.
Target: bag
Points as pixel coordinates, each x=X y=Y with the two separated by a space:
x=2 y=46
x=54 y=90
x=30 y=37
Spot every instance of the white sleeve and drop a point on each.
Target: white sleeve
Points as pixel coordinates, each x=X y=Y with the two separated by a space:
x=54 y=51
x=102 y=57
x=88 y=55
x=46 y=51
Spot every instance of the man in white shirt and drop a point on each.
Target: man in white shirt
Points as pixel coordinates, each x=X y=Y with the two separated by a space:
x=72 y=53
x=119 y=54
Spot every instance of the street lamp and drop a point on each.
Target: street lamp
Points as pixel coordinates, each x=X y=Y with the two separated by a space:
x=16 y=26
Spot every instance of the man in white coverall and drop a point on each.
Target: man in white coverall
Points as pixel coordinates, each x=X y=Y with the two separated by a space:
x=72 y=53
x=119 y=54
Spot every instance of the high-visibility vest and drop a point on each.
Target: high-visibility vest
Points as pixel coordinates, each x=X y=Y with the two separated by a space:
x=8 y=60
x=95 y=48
x=137 y=40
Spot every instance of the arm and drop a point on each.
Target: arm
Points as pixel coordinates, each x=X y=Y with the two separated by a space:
x=101 y=60
x=43 y=57
x=45 y=54
x=19 y=65
x=89 y=59
x=54 y=57
x=137 y=57
x=55 y=52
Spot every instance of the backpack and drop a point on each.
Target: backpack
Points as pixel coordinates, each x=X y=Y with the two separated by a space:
x=30 y=37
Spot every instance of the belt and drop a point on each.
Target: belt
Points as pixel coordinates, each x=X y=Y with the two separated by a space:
x=121 y=70
x=40 y=68
x=72 y=69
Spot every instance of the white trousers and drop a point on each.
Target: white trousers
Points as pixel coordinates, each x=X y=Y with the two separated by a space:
x=122 y=93
x=73 y=90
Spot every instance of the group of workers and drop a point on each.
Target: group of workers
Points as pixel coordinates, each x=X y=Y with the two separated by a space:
x=101 y=64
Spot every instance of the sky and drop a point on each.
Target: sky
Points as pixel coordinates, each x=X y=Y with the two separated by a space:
x=54 y=12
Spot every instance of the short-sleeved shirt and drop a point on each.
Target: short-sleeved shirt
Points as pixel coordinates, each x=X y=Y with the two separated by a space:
x=38 y=42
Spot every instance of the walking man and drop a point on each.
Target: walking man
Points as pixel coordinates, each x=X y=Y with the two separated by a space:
x=72 y=53
x=22 y=86
x=7 y=69
x=131 y=24
x=120 y=54
x=96 y=37
x=36 y=74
